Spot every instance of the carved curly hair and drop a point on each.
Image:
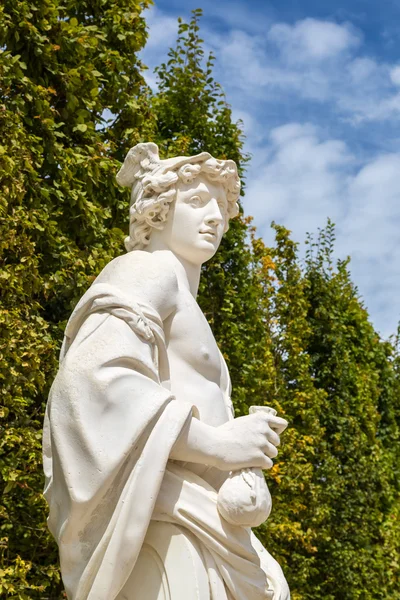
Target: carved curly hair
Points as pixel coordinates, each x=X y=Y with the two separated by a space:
x=154 y=187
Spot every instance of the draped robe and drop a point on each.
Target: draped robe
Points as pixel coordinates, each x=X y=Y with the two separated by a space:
x=110 y=425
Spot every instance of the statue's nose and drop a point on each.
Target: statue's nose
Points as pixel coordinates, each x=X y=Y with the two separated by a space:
x=215 y=215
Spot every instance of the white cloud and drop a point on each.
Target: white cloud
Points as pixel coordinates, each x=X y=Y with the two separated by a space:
x=249 y=122
x=311 y=60
x=373 y=218
x=300 y=174
x=162 y=31
x=395 y=75
x=313 y=39
x=303 y=179
x=370 y=234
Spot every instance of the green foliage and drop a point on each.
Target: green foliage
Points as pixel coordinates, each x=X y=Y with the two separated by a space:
x=336 y=483
x=192 y=112
x=193 y=116
x=291 y=531
x=61 y=65
x=298 y=339
x=358 y=372
x=295 y=335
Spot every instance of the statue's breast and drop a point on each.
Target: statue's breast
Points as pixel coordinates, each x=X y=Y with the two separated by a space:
x=190 y=340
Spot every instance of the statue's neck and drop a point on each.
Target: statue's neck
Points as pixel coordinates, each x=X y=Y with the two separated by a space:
x=190 y=275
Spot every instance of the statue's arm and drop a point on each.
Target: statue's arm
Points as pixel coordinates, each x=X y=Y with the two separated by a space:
x=244 y=442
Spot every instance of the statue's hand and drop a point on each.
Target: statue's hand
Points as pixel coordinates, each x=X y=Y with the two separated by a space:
x=249 y=441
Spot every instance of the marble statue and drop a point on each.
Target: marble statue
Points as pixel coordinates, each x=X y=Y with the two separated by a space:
x=152 y=484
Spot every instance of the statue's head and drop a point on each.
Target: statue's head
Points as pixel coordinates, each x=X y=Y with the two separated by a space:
x=160 y=187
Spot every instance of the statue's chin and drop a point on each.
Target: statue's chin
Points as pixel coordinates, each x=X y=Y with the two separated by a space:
x=197 y=255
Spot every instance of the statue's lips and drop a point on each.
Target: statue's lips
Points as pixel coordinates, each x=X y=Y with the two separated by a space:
x=210 y=233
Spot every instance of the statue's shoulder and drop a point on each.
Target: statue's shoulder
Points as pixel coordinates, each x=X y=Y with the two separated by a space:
x=146 y=277
x=144 y=266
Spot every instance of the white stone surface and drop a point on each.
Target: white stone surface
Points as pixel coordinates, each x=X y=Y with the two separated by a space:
x=244 y=498
x=140 y=444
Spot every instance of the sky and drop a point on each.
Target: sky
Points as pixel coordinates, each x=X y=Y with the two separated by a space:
x=316 y=84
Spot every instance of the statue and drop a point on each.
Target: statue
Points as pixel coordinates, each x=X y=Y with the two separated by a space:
x=152 y=484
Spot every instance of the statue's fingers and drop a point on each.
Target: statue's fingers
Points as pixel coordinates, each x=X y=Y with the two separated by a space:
x=270 y=450
x=277 y=423
x=273 y=437
x=265 y=462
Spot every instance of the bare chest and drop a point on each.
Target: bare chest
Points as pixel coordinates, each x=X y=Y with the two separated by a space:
x=191 y=341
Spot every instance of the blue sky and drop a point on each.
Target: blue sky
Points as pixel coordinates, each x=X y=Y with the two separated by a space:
x=317 y=86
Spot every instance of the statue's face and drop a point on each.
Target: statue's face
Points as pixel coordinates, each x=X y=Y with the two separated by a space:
x=196 y=220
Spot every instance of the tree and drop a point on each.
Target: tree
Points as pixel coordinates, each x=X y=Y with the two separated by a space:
x=291 y=531
x=336 y=485
x=296 y=335
x=61 y=65
x=360 y=420
x=239 y=296
x=193 y=116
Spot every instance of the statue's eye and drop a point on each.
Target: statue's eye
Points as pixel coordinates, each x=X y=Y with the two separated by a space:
x=196 y=201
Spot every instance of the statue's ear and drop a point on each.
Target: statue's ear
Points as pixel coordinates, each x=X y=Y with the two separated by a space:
x=139 y=160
